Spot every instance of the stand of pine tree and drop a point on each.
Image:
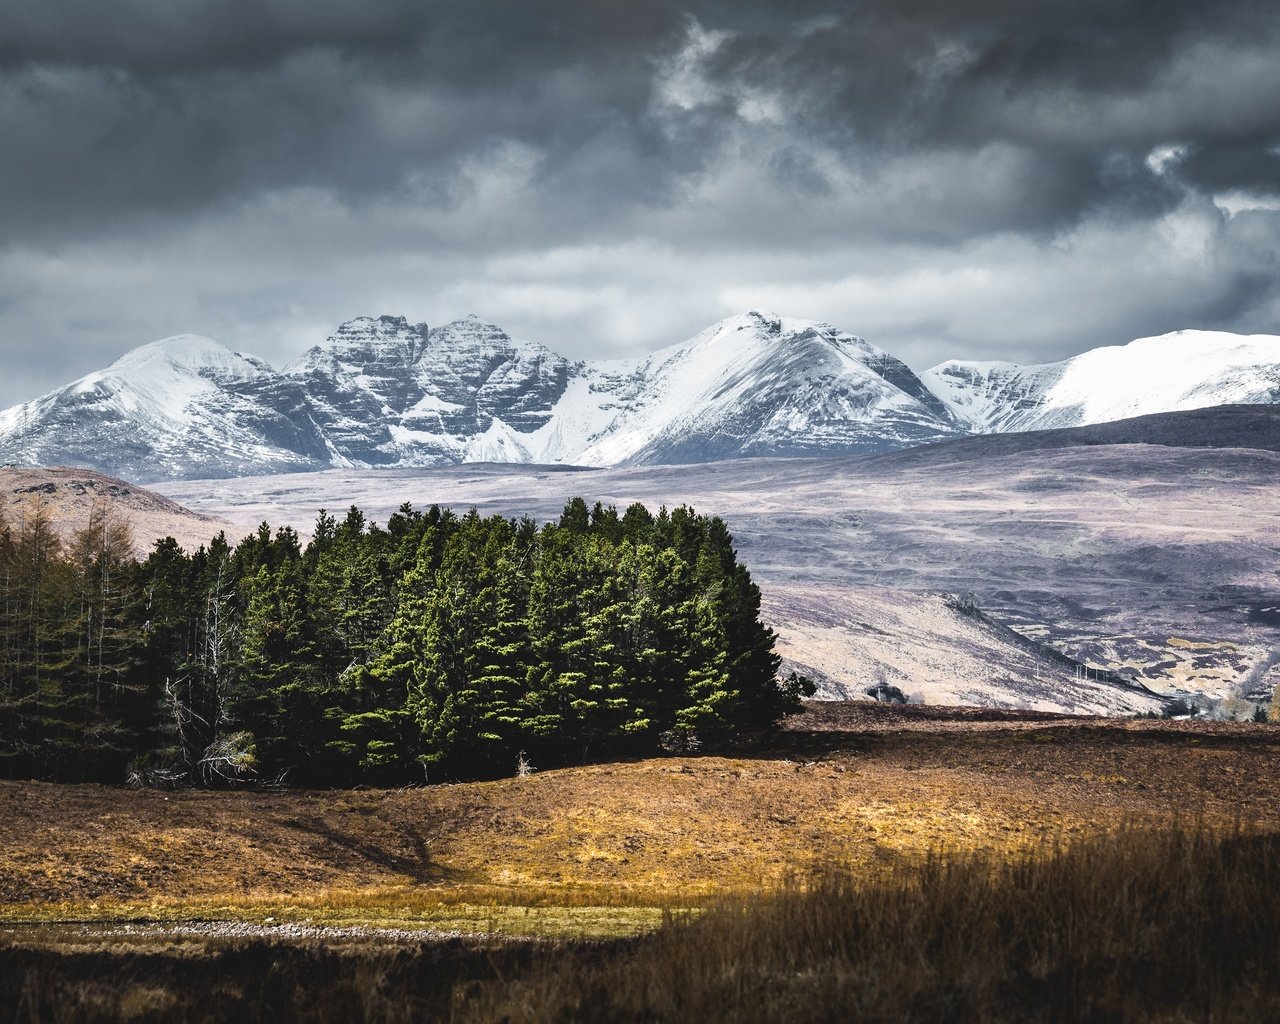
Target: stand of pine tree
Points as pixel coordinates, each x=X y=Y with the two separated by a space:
x=440 y=646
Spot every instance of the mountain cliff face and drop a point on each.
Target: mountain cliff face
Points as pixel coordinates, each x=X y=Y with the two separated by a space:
x=385 y=392
x=1170 y=373
x=382 y=392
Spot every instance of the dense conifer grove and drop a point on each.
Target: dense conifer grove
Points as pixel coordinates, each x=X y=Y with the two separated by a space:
x=439 y=646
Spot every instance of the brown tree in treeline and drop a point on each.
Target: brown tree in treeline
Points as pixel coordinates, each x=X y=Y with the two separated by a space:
x=69 y=642
x=438 y=646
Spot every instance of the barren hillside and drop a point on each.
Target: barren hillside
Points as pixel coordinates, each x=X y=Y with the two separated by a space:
x=70 y=494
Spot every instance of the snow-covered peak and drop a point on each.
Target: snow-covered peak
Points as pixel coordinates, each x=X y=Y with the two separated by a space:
x=471 y=332
x=1167 y=373
x=1183 y=370
x=747 y=335
x=475 y=340
x=757 y=382
x=190 y=353
x=756 y=321
x=164 y=376
x=180 y=406
x=375 y=327
x=364 y=342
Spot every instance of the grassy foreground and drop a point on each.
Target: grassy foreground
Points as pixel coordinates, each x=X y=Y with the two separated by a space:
x=1173 y=926
x=1178 y=925
x=603 y=850
x=869 y=863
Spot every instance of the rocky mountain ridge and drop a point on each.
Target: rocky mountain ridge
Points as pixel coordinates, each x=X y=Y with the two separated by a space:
x=383 y=392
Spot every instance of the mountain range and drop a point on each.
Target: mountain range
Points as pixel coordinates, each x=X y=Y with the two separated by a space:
x=382 y=392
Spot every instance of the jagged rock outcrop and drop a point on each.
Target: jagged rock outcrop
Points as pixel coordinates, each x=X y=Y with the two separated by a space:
x=389 y=393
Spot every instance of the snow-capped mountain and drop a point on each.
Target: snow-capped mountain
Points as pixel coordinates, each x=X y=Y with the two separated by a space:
x=760 y=384
x=383 y=392
x=1169 y=373
x=388 y=393
x=182 y=406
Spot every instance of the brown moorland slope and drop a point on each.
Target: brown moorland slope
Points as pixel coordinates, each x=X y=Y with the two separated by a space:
x=69 y=495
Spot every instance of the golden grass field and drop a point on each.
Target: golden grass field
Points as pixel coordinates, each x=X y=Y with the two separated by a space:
x=606 y=849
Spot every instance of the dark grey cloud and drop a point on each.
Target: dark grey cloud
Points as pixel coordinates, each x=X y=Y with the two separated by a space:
x=163 y=106
x=464 y=40
x=1244 y=166
x=952 y=178
x=215 y=106
x=1085 y=88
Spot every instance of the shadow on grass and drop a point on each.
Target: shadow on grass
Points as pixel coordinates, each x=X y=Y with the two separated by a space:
x=417 y=867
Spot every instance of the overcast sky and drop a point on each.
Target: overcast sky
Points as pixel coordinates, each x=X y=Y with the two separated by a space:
x=948 y=178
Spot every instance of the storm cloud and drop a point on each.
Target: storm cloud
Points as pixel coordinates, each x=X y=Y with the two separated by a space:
x=987 y=178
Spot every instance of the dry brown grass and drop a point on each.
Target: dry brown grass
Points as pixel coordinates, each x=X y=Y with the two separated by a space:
x=616 y=843
x=1177 y=925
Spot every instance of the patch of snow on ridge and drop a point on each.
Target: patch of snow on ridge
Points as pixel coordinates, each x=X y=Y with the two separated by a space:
x=497 y=444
